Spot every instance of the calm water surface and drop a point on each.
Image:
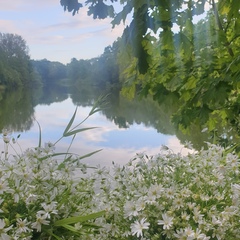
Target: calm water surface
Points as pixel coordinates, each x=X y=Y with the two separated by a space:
x=118 y=143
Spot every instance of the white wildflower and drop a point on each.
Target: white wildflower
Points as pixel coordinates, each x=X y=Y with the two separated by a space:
x=130 y=210
x=40 y=220
x=22 y=226
x=48 y=209
x=3 y=230
x=4 y=187
x=138 y=227
x=189 y=233
x=166 y=221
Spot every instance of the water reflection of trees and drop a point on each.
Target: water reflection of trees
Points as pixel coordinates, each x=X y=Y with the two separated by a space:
x=124 y=113
x=17 y=107
x=51 y=94
x=16 y=110
x=84 y=95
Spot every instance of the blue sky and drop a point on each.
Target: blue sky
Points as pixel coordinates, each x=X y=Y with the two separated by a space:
x=54 y=34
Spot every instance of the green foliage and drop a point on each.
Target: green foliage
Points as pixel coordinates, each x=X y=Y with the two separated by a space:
x=200 y=63
x=15 y=67
x=100 y=10
x=71 y=5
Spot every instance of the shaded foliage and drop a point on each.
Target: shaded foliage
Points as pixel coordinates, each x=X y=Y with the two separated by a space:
x=15 y=66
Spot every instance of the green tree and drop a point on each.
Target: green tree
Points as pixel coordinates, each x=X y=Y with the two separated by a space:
x=79 y=71
x=105 y=69
x=101 y=72
x=15 y=66
x=50 y=72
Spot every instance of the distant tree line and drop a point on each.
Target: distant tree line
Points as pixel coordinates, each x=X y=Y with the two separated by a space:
x=49 y=73
x=17 y=69
x=101 y=72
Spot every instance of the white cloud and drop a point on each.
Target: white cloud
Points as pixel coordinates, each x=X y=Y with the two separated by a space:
x=9 y=6
x=27 y=5
x=54 y=34
x=7 y=26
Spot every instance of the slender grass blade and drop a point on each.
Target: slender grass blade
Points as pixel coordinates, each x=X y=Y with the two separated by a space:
x=89 y=154
x=71 y=228
x=40 y=134
x=70 y=122
x=72 y=220
x=77 y=131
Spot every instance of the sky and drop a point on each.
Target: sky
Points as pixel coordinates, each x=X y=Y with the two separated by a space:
x=54 y=34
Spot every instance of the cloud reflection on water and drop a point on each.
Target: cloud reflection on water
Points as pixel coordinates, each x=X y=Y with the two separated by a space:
x=119 y=145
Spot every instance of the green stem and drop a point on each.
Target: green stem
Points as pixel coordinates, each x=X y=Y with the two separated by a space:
x=70 y=146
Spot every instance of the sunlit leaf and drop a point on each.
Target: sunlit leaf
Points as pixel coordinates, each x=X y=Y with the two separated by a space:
x=212 y=122
x=174 y=83
x=166 y=38
x=191 y=83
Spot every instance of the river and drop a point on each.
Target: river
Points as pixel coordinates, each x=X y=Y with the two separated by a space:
x=123 y=128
